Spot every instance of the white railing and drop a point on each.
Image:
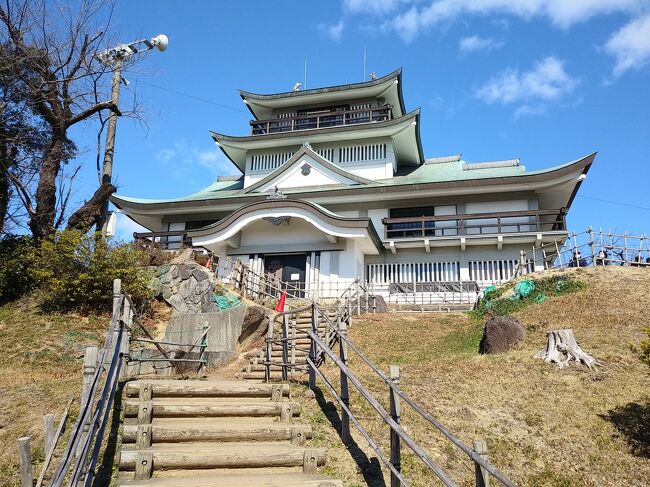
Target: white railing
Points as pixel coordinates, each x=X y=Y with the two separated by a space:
x=413 y=272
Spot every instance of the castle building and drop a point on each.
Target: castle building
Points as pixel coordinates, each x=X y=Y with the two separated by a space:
x=335 y=186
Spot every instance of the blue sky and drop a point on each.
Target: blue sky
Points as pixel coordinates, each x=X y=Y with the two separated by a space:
x=545 y=81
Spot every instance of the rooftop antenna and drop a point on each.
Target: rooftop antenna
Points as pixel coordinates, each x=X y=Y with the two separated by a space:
x=305 y=73
x=364 y=63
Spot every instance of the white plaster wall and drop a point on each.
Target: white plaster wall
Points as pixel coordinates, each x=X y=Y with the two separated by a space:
x=376 y=216
x=504 y=205
x=261 y=232
x=373 y=171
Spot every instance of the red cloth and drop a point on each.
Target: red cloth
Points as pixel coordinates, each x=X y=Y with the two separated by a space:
x=280 y=307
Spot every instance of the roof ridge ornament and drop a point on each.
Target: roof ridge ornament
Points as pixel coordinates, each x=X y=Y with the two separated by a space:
x=276 y=195
x=307 y=145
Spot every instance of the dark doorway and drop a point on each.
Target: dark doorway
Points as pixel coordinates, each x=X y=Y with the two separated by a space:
x=290 y=269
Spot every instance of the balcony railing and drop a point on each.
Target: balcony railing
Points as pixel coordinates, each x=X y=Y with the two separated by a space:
x=475 y=224
x=172 y=240
x=326 y=118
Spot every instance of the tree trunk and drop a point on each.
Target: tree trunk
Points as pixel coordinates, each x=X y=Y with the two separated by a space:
x=90 y=212
x=4 y=185
x=562 y=349
x=42 y=222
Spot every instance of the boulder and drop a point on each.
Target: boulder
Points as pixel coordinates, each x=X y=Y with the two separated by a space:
x=501 y=333
x=183 y=272
x=254 y=324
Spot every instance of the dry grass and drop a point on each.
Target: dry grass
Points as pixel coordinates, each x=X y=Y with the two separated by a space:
x=41 y=357
x=40 y=369
x=543 y=426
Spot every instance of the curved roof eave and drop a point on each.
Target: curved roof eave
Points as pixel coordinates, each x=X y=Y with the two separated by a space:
x=582 y=164
x=346 y=222
x=397 y=74
x=239 y=139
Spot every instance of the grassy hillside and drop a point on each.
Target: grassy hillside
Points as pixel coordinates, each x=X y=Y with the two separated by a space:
x=40 y=369
x=543 y=426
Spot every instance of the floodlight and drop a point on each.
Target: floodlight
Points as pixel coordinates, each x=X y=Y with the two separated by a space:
x=161 y=41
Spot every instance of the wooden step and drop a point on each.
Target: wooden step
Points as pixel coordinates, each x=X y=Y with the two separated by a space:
x=196 y=388
x=212 y=407
x=219 y=455
x=174 y=430
x=259 y=375
x=261 y=479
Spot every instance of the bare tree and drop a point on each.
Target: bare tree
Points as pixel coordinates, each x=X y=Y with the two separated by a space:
x=63 y=84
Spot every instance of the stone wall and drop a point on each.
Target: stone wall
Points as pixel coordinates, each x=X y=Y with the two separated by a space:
x=186 y=287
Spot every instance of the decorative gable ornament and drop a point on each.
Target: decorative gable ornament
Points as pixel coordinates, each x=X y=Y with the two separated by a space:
x=276 y=195
x=305 y=169
x=276 y=221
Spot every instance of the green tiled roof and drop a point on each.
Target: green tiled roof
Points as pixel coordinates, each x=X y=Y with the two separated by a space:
x=426 y=173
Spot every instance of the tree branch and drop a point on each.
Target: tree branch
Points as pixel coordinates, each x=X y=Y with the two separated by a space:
x=106 y=105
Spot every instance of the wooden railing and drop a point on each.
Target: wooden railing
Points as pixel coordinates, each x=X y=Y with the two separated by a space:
x=322 y=345
x=586 y=249
x=475 y=224
x=102 y=372
x=171 y=240
x=324 y=119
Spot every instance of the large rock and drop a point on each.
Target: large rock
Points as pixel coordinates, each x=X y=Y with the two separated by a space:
x=229 y=330
x=501 y=333
x=186 y=287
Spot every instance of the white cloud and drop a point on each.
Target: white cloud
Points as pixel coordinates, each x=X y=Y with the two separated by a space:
x=630 y=46
x=562 y=13
x=334 y=31
x=183 y=159
x=375 y=7
x=546 y=81
x=530 y=111
x=165 y=155
x=476 y=43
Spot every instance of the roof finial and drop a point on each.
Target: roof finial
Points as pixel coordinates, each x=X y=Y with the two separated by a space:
x=297 y=86
x=373 y=76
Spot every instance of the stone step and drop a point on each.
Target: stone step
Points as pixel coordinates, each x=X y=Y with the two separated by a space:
x=175 y=430
x=211 y=407
x=232 y=455
x=263 y=478
x=196 y=388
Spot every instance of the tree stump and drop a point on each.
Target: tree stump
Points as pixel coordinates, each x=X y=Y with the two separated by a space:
x=562 y=349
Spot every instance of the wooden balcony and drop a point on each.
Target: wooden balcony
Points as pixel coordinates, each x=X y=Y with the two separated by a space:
x=321 y=119
x=172 y=240
x=475 y=224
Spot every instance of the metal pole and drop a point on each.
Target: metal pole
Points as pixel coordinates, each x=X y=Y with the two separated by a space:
x=109 y=146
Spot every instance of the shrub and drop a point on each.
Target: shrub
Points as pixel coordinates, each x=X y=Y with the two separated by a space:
x=645 y=347
x=15 y=252
x=75 y=270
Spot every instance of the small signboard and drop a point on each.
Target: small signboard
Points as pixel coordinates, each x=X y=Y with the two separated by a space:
x=295 y=277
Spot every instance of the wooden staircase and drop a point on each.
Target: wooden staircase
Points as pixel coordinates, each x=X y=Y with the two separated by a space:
x=216 y=434
x=298 y=348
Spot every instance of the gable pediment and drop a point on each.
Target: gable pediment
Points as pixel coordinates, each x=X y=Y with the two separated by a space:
x=306 y=169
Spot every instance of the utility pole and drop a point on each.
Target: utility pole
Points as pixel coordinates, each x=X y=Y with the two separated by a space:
x=109 y=146
x=114 y=58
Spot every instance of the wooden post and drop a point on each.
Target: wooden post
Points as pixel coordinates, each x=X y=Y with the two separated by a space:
x=482 y=475
x=294 y=326
x=345 y=395
x=592 y=245
x=90 y=364
x=25 y=452
x=269 y=348
x=48 y=432
x=127 y=318
x=312 y=349
x=394 y=437
x=358 y=293
x=285 y=347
